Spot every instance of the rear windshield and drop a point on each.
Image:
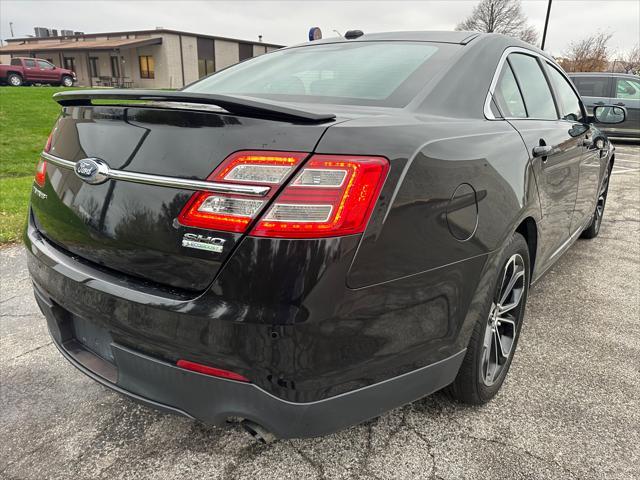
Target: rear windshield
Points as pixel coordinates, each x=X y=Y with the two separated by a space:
x=361 y=73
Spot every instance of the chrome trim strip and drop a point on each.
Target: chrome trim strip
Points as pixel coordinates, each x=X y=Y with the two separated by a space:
x=170 y=182
x=567 y=242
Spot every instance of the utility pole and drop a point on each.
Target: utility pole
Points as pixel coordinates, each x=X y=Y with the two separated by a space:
x=11 y=28
x=546 y=24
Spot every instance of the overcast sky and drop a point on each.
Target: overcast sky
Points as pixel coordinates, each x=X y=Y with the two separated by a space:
x=287 y=22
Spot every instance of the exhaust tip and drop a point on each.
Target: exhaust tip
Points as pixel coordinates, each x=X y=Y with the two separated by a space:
x=258 y=432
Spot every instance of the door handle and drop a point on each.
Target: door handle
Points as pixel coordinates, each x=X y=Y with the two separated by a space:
x=599 y=103
x=619 y=104
x=542 y=150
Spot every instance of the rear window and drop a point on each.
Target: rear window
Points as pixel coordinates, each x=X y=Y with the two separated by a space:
x=361 y=73
x=592 y=86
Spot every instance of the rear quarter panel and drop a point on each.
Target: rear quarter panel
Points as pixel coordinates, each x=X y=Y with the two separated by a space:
x=411 y=230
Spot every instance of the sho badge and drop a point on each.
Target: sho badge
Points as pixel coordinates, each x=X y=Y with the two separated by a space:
x=203 y=242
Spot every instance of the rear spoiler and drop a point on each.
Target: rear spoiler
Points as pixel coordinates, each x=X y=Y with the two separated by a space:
x=236 y=105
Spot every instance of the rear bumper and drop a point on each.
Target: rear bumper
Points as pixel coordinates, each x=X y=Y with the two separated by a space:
x=164 y=386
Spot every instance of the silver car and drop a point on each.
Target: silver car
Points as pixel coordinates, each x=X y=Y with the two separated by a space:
x=600 y=88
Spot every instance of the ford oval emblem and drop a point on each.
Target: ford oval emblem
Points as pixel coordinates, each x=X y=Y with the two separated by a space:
x=92 y=170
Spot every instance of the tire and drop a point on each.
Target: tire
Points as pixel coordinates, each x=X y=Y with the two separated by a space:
x=484 y=369
x=14 y=80
x=67 y=81
x=593 y=229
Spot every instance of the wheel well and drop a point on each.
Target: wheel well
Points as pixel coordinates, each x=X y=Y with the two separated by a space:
x=529 y=231
x=14 y=73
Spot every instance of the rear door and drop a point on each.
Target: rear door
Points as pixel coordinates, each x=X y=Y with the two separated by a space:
x=525 y=98
x=627 y=94
x=31 y=71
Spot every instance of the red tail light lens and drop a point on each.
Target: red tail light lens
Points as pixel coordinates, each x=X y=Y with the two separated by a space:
x=214 y=372
x=234 y=213
x=332 y=195
x=47 y=146
x=41 y=173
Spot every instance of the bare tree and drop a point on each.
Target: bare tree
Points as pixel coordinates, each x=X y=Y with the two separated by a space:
x=631 y=61
x=500 y=16
x=591 y=54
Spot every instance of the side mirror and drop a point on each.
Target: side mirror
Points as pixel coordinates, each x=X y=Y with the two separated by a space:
x=609 y=114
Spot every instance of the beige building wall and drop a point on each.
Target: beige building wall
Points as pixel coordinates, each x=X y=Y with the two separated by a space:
x=190 y=56
x=226 y=53
x=259 y=50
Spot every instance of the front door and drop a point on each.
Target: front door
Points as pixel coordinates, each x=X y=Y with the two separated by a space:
x=574 y=116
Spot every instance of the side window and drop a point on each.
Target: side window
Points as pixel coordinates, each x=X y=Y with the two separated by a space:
x=567 y=98
x=628 y=88
x=592 y=86
x=535 y=89
x=45 y=65
x=16 y=61
x=30 y=63
x=507 y=95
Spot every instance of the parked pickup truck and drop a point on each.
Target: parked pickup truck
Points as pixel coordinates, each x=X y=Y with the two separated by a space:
x=26 y=70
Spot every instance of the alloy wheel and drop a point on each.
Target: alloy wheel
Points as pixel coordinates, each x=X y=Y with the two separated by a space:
x=504 y=315
x=599 y=212
x=15 y=81
x=67 y=82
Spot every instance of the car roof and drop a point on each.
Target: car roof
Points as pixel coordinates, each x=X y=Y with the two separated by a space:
x=601 y=74
x=460 y=38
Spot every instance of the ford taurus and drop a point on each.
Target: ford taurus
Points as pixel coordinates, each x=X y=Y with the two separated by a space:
x=307 y=239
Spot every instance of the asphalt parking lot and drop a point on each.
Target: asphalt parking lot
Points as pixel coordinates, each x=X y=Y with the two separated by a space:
x=570 y=408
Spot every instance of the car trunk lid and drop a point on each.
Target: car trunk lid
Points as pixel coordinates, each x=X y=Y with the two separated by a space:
x=132 y=227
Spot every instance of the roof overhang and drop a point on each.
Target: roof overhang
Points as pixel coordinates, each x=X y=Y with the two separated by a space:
x=80 y=45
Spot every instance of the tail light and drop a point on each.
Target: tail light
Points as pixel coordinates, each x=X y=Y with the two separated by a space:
x=332 y=195
x=41 y=173
x=234 y=213
x=41 y=169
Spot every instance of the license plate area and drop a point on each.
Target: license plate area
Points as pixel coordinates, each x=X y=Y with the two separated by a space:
x=93 y=337
x=82 y=341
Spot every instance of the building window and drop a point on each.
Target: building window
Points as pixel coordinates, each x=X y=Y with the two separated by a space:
x=147 y=67
x=246 y=51
x=93 y=67
x=115 y=67
x=70 y=64
x=206 y=62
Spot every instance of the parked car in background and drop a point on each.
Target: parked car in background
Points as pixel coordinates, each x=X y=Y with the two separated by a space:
x=28 y=70
x=600 y=88
x=307 y=239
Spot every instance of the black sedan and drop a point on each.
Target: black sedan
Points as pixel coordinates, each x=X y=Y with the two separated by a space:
x=309 y=238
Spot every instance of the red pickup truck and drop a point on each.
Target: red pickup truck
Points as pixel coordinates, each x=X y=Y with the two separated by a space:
x=25 y=70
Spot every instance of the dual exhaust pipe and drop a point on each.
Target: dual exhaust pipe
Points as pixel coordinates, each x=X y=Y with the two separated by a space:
x=258 y=432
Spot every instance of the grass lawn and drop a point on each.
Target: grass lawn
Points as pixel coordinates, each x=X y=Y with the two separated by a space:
x=27 y=115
